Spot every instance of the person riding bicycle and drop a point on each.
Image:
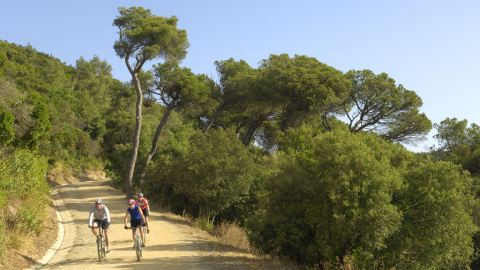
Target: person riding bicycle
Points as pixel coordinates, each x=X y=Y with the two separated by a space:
x=143 y=204
x=136 y=219
x=100 y=216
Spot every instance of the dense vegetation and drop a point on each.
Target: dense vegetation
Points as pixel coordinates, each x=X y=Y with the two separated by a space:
x=305 y=157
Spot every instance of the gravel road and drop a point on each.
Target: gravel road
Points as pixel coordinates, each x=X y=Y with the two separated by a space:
x=171 y=244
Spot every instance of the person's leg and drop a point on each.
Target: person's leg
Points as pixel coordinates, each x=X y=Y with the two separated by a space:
x=94 y=228
x=106 y=225
x=143 y=239
x=107 y=238
x=146 y=221
x=145 y=214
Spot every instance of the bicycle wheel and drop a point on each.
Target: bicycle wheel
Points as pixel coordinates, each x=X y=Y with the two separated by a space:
x=99 y=249
x=138 y=247
x=144 y=234
x=104 y=247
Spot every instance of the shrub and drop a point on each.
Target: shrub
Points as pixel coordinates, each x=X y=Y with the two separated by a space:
x=339 y=194
x=22 y=185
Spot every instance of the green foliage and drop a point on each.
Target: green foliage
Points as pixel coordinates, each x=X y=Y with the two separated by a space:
x=23 y=187
x=179 y=88
x=306 y=86
x=157 y=186
x=377 y=104
x=329 y=195
x=437 y=227
x=214 y=173
x=22 y=172
x=45 y=96
x=41 y=122
x=6 y=126
x=321 y=193
x=282 y=93
x=34 y=71
x=458 y=143
x=144 y=37
x=147 y=36
x=29 y=218
x=335 y=194
x=3 y=59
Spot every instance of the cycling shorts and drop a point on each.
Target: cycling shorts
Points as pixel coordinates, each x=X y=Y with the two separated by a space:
x=104 y=223
x=145 y=212
x=135 y=222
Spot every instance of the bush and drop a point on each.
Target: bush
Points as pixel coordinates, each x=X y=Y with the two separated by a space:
x=339 y=194
x=22 y=172
x=216 y=172
x=29 y=218
x=2 y=237
x=23 y=186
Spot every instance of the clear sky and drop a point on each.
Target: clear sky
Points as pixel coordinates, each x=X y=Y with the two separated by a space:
x=431 y=47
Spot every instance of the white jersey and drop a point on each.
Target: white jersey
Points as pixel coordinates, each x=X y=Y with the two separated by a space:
x=101 y=214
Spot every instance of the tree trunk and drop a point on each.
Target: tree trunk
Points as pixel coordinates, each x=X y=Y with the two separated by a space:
x=254 y=125
x=155 y=142
x=214 y=117
x=136 y=137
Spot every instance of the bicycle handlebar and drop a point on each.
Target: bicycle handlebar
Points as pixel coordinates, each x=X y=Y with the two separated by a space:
x=143 y=225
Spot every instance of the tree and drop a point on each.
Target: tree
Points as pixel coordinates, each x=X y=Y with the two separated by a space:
x=437 y=225
x=93 y=86
x=3 y=59
x=337 y=194
x=306 y=86
x=458 y=143
x=13 y=107
x=451 y=134
x=144 y=37
x=6 y=126
x=377 y=104
x=328 y=195
x=231 y=91
x=177 y=88
x=215 y=172
x=41 y=124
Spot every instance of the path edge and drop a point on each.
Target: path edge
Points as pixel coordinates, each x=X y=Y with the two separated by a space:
x=61 y=232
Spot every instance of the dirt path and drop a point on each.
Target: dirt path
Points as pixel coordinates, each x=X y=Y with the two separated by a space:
x=170 y=244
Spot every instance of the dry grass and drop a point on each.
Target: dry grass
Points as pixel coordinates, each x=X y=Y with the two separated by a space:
x=230 y=234
x=25 y=249
x=233 y=235
x=347 y=264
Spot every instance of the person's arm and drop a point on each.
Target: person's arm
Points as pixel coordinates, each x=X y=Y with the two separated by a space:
x=148 y=209
x=126 y=217
x=107 y=213
x=90 y=218
x=141 y=214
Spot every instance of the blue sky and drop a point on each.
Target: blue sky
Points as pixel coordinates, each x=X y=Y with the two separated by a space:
x=430 y=47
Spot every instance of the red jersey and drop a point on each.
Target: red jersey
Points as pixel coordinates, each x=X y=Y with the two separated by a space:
x=142 y=204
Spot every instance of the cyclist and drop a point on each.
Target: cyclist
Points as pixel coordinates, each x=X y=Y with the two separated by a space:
x=143 y=204
x=136 y=219
x=102 y=218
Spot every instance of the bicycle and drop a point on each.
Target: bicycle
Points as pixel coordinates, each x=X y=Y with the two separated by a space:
x=144 y=234
x=101 y=244
x=137 y=241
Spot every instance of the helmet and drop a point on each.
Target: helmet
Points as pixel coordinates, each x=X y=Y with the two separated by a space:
x=131 y=201
x=98 y=201
x=140 y=195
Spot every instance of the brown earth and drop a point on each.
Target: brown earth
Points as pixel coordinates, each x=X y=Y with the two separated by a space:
x=173 y=242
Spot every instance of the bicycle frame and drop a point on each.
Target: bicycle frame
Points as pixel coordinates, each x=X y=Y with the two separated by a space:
x=101 y=244
x=137 y=241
